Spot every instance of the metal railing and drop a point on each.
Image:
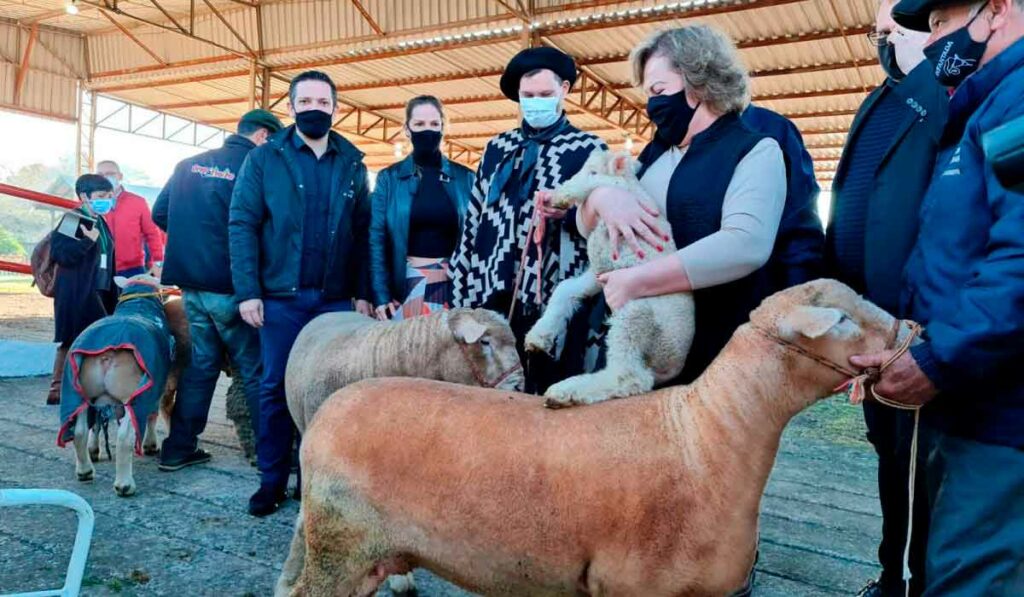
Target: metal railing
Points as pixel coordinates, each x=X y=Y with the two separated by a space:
x=35 y=197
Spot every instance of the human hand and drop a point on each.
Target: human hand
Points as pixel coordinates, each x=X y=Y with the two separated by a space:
x=252 y=312
x=90 y=233
x=621 y=286
x=626 y=217
x=543 y=200
x=902 y=382
x=364 y=308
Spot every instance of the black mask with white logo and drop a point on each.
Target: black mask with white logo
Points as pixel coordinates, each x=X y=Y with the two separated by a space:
x=956 y=56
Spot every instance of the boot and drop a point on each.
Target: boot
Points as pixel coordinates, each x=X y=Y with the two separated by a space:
x=58 y=375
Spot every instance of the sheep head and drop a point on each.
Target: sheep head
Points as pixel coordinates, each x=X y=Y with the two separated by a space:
x=487 y=348
x=602 y=169
x=827 y=319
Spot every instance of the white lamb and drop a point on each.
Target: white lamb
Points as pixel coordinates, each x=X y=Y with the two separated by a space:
x=649 y=338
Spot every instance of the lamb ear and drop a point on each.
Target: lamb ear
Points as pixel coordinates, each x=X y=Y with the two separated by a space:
x=809 y=322
x=621 y=164
x=468 y=330
x=120 y=281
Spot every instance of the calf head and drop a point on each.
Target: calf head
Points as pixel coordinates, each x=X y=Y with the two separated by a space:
x=829 y=323
x=602 y=169
x=487 y=349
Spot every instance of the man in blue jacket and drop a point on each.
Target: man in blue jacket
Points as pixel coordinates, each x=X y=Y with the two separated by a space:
x=882 y=177
x=298 y=229
x=965 y=284
x=193 y=210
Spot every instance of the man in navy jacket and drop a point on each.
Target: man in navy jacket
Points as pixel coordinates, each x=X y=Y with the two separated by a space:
x=965 y=284
x=298 y=230
x=193 y=210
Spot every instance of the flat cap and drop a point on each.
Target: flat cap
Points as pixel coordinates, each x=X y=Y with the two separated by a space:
x=913 y=14
x=262 y=118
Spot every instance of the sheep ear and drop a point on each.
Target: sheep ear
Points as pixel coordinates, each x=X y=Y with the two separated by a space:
x=120 y=281
x=621 y=163
x=809 y=322
x=468 y=330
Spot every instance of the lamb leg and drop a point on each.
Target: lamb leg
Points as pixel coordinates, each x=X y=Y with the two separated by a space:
x=564 y=302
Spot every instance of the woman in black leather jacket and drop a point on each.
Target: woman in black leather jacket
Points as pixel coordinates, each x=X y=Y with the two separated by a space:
x=419 y=205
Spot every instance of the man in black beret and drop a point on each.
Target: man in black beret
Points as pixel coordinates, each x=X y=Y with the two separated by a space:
x=540 y=154
x=193 y=210
x=964 y=282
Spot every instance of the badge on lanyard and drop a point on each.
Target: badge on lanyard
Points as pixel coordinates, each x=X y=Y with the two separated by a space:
x=103 y=261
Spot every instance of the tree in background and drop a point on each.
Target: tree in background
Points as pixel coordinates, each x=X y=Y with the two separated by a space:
x=9 y=246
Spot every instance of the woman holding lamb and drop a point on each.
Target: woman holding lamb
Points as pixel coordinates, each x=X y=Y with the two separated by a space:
x=721 y=186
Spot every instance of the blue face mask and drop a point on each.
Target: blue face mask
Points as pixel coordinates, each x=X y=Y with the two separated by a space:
x=540 y=112
x=101 y=206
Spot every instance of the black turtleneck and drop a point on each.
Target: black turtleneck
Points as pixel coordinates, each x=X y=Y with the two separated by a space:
x=433 y=220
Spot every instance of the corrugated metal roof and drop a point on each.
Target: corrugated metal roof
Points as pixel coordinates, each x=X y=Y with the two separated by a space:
x=809 y=58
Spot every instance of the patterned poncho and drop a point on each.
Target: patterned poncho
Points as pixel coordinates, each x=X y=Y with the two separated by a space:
x=498 y=219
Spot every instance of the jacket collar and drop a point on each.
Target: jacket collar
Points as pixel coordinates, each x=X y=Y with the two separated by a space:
x=335 y=141
x=973 y=91
x=236 y=140
x=407 y=167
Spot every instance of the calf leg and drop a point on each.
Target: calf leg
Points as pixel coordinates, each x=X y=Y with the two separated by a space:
x=124 y=483
x=83 y=462
x=626 y=373
x=564 y=302
x=150 y=446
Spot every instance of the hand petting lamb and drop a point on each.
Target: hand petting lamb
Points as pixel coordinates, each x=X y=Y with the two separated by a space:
x=123 y=369
x=649 y=338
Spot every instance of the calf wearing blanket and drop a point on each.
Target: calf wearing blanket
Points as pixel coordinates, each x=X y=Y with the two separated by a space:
x=117 y=370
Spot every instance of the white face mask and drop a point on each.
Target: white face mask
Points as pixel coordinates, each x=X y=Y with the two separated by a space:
x=909 y=47
x=541 y=112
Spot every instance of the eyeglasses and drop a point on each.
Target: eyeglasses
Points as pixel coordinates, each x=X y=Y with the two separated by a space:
x=878 y=39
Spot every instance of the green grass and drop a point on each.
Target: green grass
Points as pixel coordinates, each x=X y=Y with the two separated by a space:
x=16 y=285
x=833 y=420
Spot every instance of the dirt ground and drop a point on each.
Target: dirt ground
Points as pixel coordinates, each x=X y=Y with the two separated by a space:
x=24 y=313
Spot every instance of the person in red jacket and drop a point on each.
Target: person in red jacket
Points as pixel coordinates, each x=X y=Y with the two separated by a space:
x=132 y=226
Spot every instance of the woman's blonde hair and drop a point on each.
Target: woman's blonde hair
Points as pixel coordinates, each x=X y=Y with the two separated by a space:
x=708 y=61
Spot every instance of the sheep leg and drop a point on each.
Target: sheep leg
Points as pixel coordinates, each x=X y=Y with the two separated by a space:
x=83 y=463
x=294 y=563
x=124 y=483
x=626 y=374
x=149 y=437
x=94 y=443
x=564 y=302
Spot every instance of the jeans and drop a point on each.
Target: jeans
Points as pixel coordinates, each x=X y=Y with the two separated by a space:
x=217 y=329
x=283 y=319
x=976 y=538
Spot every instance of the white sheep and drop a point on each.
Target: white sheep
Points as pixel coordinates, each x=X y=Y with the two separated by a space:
x=649 y=338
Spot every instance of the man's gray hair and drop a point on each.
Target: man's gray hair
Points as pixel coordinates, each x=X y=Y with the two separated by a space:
x=111 y=162
x=708 y=61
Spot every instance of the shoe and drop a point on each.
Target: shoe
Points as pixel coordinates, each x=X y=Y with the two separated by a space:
x=872 y=589
x=266 y=500
x=198 y=457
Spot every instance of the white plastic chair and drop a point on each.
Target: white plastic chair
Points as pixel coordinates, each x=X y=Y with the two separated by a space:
x=80 y=552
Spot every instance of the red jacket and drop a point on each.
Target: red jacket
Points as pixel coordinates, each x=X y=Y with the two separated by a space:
x=131 y=224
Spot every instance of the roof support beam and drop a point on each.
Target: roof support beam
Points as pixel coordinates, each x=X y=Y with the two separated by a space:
x=225 y=22
x=19 y=79
x=368 y=17
x=168 y=15
x=132 y=37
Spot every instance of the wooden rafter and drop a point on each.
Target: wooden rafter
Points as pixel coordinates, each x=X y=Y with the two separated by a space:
x=368 y=17
x=19 y=79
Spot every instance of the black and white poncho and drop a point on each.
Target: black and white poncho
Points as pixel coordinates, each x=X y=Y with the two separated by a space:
x=487 y=259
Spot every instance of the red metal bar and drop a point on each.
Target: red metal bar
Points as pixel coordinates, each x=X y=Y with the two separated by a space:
x=6 y=189
x=18 y=268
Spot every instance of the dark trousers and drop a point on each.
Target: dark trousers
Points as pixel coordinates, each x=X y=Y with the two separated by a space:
x=890 y=431
x=976 y=540
x=283 y=319
x=217 y=329
x=132 y=271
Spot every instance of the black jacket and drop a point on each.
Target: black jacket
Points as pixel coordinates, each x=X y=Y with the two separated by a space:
x=798 y=255
x=266 y=217
x=899 y=185
x=389 y=223
x=77 y=299
x=193 y=210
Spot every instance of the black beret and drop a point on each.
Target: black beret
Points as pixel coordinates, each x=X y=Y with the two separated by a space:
x=532 y=59
x=913 y=14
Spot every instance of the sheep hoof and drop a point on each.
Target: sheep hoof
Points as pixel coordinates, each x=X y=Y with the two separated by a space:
x=150 y=450
x=125 y=490
x=86 y=476
x=94 y=455
x=539 y=342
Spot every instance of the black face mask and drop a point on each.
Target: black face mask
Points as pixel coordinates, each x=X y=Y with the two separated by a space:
x=672 y=115
x=887 y=58
x=425 y=144
x=313 y=123
x=956 y=56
